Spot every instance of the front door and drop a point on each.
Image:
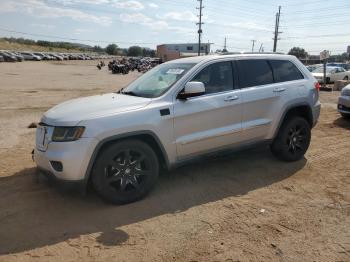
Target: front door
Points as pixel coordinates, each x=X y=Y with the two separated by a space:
x=210 y=121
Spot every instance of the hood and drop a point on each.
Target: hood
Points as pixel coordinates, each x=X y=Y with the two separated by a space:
x=346 y=87
x=70 y=113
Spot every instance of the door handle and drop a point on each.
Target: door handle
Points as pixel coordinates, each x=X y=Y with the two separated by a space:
x=230 y=98
x=279 y=89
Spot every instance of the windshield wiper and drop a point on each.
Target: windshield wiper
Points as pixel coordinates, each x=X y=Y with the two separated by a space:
x=130 y=93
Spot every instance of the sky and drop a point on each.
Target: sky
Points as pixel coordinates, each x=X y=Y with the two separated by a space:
x=314 y=25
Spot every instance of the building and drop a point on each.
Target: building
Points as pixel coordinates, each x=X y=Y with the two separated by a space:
x=167 y=52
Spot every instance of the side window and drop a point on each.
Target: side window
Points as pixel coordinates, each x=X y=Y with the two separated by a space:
x=216 y=77
x=285 y=71
x=254 y=72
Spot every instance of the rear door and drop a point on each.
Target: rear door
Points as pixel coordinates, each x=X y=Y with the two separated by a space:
x=260 y=102
x=341 y=74
x=210 y=121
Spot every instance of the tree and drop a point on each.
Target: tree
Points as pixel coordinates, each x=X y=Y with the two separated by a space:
x=148 y=52
x=123 y=52
x=112 y=49
x=298 y=52
x=98 y=49
x=135 y=51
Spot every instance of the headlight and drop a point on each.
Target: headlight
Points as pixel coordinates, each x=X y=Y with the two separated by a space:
x=65 y=134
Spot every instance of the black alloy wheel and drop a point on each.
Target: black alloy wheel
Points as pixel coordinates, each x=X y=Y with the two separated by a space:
x=125 y=171
x=293 y=139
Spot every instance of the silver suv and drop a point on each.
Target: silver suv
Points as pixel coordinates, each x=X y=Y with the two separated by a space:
x=176 y=112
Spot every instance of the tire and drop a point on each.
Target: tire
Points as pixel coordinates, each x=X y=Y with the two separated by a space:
x=346 y=116
x=125 y=171
x=293 y=139
x=346 y=78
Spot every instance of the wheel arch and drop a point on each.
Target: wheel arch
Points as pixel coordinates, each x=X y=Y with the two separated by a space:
x=303 y=110
x=146 y=136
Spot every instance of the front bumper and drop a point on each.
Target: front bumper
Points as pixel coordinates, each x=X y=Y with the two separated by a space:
x=74 y=157
x=344 y=104
x=72 y=185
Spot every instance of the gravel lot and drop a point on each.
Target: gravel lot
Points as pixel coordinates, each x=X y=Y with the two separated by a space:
x=243 y=207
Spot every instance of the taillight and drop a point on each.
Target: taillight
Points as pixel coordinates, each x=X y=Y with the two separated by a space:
x=317 y=86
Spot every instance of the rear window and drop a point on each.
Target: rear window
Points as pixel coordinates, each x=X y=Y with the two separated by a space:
x=284 y=71
x=254 y=72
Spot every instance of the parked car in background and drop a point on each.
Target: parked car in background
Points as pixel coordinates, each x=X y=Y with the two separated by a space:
x=333 y=73
x=179 y=111
x=313 y=67
x=343 y=65
x=57 y=57
x=50 y=57
x=8 y=57
x=30 y=56
x=18 y=56
x=65 y=56
x=42 y=56
x=344 y=102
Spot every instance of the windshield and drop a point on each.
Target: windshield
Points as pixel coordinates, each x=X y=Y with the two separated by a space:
x=158 y=80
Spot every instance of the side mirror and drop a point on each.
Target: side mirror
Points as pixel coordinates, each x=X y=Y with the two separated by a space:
x=192 y=89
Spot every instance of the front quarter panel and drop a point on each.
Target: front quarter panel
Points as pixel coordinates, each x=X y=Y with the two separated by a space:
x=147 y=120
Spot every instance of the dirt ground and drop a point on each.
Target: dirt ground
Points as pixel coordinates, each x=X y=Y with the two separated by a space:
x=243 y=207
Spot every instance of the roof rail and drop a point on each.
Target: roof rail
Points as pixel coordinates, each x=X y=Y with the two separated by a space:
x=251 y=53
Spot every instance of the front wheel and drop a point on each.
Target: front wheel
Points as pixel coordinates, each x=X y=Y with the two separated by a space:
x=346 y=78
x=293 y=139
x=346 y=116
x=125 y=172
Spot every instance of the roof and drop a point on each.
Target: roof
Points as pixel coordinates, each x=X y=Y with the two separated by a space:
x=186 y=44
x=198 y=59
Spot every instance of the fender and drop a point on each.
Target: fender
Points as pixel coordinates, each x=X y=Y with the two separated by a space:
x=122 y=136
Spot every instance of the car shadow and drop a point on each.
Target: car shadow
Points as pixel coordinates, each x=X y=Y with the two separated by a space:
x=342 y=122
x=35 y=215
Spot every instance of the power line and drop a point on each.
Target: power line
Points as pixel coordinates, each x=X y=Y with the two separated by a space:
x=72 y=39
x=317 y=36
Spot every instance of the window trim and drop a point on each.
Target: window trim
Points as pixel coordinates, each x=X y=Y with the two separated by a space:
x=284 y=60
x=239 y=83
x=240 y=80
x=204 y=67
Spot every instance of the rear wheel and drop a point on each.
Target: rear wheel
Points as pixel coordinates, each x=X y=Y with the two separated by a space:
x=346 y=78
x=125 y=171
x=293 y=139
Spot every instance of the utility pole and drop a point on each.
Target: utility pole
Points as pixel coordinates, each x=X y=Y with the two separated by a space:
x=253 y=43
x=200 y=26
x=277 y=25
x=261 y=49
x=225 y=47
